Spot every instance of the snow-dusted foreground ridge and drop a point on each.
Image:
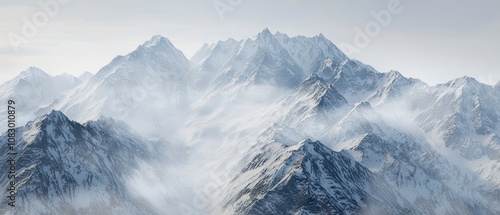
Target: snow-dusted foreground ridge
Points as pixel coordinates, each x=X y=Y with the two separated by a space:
x=265 y=125
x=68 y=168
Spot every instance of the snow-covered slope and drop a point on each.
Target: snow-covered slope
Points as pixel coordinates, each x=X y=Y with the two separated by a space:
x=209 y=60
x=67 y=168
x=85 y=76
x=35 y=91
x=359 y=82
x=467 y=111
x=261 y=60
x=407 y=161
x=462 y=125
x=268 y=59
x=143 y=88
x=308 y=178
x=307 y=112
x=309 y=53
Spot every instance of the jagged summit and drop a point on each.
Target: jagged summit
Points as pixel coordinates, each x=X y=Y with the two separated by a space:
x=155 y=55
x=291 y=59
x=33 y=90
x=464 y=81
x=222 y=50
x=265 y=33
x=309 y=52
x=53 y=120
x=308 y=178
x=157 y=46
x=82 y=168
x=55 y=114
x=281 y=35
x=394 y=73
x=158 y=40
x=312 y=79
x=325 y=95
x=34 y=72
x=396 y=76
x=464 y=88
x=269 y=42
x=310 y=147
x=467 y=85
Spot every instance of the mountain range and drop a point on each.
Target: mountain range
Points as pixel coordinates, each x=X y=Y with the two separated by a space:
x=266 y=125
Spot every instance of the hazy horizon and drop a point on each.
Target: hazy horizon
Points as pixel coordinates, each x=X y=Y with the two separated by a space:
x=427 y=40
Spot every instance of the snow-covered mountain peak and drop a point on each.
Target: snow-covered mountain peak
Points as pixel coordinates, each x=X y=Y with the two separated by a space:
x=154 y=49
x=463 y=88
x=394 y=77
x=394 y=74
x=34 y=87
x=497 y=86
x=265 y=36
x=55 y=117
x=158 y=40
x=324 y=94
x=308 y=147
x=27 y=79
x=33 y=73
x=281 y=35
x=156 y=55
x=214 y=55
x=462 y=82
x=251 y=60
x=154 y=73
x=321 y=40
x=268 y=41
x=67 y=168
x=53 y=123
x=309 y=178
x=313 y=79
x=55 y=114
x=310 y=52
x=224 y=44
x=265 y=33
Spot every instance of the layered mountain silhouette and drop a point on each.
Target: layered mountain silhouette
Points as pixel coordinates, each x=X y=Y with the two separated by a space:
x=271 y=124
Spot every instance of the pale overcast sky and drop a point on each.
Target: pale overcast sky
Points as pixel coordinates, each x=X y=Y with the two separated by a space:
x=435 y=41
